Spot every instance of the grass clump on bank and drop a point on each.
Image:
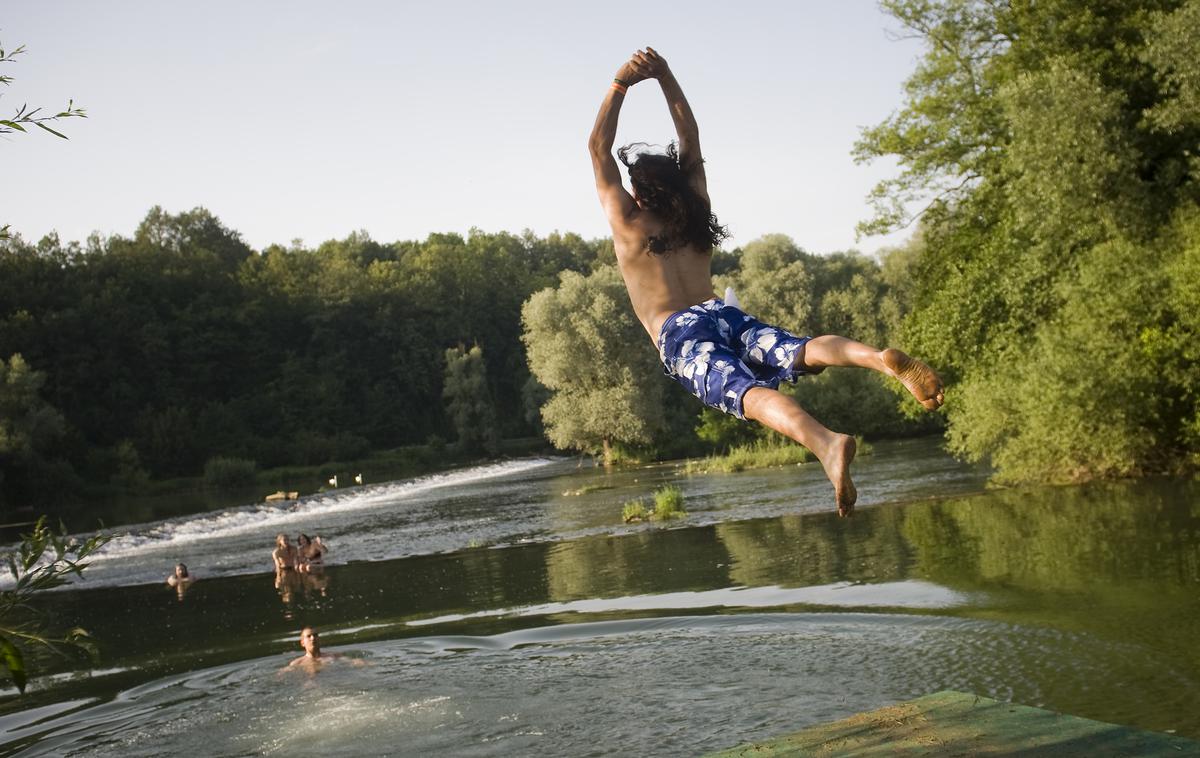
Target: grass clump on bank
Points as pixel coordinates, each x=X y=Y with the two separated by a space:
x=759 y=454
x=668 y=504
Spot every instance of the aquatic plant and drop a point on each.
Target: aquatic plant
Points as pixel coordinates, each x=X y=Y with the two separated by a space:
x=634 y=511
x=668 y=503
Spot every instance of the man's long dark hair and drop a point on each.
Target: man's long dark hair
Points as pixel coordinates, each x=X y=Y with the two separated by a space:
x=663 y=185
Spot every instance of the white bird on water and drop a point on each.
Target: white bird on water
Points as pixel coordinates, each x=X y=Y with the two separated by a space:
x=333 y=481
x=358 y=479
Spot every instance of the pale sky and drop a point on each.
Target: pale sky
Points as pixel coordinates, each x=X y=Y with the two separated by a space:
x=311 y=120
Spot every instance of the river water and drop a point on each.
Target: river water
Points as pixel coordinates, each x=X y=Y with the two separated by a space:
x=506 y=610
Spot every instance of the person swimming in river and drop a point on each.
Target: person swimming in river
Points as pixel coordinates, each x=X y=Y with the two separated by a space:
x=664 y=233
x=313 y=658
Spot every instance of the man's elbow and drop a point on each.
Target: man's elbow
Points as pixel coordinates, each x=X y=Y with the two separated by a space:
x=598 y=146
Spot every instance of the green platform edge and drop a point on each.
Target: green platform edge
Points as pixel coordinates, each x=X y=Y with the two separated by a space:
x=960 y=724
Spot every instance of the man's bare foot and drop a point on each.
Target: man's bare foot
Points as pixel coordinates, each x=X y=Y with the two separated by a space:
x=922 y=381
x=837 y=468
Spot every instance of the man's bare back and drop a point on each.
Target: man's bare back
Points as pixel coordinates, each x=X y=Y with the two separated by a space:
x=658 y=285
x=725 y=357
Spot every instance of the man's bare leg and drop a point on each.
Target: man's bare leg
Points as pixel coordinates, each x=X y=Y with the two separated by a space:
x=831 y=350
x=777 y=411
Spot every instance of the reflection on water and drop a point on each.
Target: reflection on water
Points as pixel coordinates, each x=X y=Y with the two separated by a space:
x=845 y=594
x=655 y=640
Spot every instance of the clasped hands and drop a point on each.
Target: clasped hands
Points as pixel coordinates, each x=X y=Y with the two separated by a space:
x=645 y=64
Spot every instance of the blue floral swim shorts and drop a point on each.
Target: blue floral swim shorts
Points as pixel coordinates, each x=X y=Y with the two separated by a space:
x=718 y=353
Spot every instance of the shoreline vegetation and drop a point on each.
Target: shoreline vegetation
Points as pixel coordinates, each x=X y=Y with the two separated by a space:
x=759 y=454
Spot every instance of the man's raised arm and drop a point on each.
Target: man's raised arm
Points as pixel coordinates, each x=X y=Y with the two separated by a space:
x=616 y=201
x=651 y=65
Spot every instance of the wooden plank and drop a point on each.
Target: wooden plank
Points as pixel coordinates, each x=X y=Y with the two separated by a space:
x=959 y=724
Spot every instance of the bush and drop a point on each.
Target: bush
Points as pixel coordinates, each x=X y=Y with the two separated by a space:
x=228 y=473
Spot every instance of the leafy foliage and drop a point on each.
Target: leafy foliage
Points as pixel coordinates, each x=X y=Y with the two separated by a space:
x=1049 y=149
x=468 y=402
x=26 y=116
x=179 y=343
x=227 y=473
x=21 y=626
x=586 y=347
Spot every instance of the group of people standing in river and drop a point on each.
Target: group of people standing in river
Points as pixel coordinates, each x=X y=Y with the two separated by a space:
x=299 y=567
x=306 y=555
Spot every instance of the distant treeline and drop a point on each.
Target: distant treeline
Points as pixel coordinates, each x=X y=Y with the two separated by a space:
x=144 y=357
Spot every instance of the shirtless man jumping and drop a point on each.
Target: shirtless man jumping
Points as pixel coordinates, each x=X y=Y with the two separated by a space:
x=664 y=234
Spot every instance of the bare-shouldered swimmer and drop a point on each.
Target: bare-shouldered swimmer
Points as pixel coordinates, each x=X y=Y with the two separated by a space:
x=314 y=658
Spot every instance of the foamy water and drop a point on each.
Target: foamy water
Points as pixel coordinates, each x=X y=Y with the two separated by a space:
x=254 y=519
x=373 y=522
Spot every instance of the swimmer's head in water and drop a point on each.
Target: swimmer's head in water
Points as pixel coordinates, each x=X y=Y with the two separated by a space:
x=310 y=640
x=281 y=540
x=303 y=540
x=662 y=185
x=181 y=571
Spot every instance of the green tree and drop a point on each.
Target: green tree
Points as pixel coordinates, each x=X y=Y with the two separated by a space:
x=774 y=282
x=468 y=402
x=29 y=427
x=587 y=348
x=1049 y=151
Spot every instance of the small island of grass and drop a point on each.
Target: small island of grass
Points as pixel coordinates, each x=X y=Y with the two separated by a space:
x=668 y=504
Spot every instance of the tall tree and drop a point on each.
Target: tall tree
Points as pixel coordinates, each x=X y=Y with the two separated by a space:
x=468 y=401
x=1047 y=147
x=586 y=347
x=29 y=426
